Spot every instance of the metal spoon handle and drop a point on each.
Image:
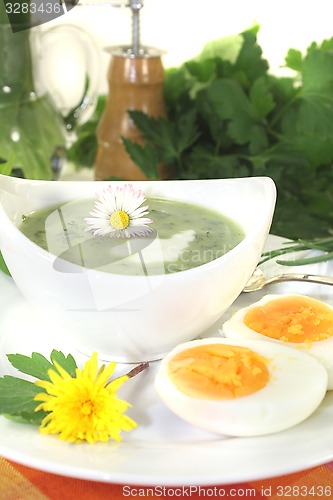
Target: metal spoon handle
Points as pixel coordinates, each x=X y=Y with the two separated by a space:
x=312 y=278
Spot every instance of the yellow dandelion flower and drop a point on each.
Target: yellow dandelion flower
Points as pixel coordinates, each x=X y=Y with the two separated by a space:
x=84 y=408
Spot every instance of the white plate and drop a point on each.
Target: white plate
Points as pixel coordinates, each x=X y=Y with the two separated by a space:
x=163 y=450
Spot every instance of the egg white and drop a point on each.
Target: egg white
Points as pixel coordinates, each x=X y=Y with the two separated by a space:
x=296 y=387
x=322 y=350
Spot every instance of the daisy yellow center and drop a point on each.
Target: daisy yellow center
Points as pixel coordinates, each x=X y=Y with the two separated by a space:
x=119 y=219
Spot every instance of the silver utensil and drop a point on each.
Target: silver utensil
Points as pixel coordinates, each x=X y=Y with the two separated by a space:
x=258 y=280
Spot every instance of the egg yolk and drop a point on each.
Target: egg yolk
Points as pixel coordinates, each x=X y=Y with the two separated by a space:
x=218 y=371
x=292 y=319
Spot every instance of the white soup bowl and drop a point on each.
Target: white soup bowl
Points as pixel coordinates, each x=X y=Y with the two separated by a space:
x=134 y=318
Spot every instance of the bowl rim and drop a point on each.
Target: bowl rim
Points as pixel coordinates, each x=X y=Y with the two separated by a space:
x=206 y=267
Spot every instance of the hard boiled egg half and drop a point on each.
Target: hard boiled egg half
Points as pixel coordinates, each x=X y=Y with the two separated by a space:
x=240 y=387
x=296 y=321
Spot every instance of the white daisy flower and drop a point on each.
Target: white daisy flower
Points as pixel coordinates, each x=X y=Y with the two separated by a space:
x=118 y=213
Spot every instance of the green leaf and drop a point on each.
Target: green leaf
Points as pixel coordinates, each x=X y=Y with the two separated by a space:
x=315 y=114
x=169 y=140
x=327 y=45
x=36 y=145
x=27 y=417
x=68 y=363
x=187 y=131
x=317 y=70
x=202 y=71
x=283 y=90
x=257 y=138
x=144 y=156
x=307 y=123
x=36 y=365
x=308 y=128
x=226 y=48
x=17 y=395
x=211 y=124
x=83 y=152
x=294 y=60
x=250 y=60
x=6 y=167
x=156 y=130
x=206 y=164
x=230 y=103
x=30 y=127
x=177 y=86
x=293 y=220
x=261 y=97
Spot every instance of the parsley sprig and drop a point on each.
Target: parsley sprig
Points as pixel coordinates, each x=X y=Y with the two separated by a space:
x=228 y=116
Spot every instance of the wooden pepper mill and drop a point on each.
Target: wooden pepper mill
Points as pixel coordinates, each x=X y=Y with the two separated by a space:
x=135 y=83
x=135 y=79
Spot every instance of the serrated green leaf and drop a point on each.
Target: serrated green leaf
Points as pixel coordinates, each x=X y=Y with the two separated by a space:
x=309 y=130
x=36 y=365
x=144 y=156
x=283 y=90
x=230 y=103
x=307 y=124
x=327 y=45
x=155 y=130
x=17 y=395
x=68 y=363
x=83 y=152
x=250 y=59
x=317 y=71
x=294 y=59
x=169 y=141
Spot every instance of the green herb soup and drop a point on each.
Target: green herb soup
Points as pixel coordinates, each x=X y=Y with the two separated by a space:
x=184 y=236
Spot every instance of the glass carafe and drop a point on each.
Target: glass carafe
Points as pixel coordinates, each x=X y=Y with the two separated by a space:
x=34 y=133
